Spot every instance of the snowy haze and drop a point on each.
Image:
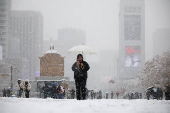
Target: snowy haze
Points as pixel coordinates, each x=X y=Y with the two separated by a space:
x=99 y=18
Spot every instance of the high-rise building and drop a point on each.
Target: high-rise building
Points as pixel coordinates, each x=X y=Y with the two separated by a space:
x=131 y=38
x=161 y=41
x=27 y=39
x=5 y=9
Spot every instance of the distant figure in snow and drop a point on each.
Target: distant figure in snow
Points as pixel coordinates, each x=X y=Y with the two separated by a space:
x=4 y=92
x=19 y=88
x=26 y=88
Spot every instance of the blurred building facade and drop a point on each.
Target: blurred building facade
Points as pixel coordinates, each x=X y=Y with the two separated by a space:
x=26 y=40
x=5 y=10
x=131 y=38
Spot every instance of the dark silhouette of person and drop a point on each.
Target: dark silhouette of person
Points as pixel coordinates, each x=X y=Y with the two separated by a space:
x=80 y=69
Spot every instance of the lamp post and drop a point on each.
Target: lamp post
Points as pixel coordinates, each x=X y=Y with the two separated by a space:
x=11 y=78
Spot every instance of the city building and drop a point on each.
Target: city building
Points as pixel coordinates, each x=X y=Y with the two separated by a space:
x=5 y=10
x=131 y=38
x=26 y=40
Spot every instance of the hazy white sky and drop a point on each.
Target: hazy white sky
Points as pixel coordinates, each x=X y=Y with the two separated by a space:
x=99 y=18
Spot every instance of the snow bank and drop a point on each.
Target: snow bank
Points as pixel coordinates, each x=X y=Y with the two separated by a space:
x=32 y=105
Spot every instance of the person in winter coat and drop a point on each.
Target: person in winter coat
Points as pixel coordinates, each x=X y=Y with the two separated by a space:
x=80 y=69
x=154 y=93
x=26 y=88
x=4 y=92
x=8 y=92
x=62 y=94
x=117 y=93
x=100 y=94
x=112 y=95
x=97 y=95
x=53 y=92
x=107 y=95
x=59 y=92
x=19 y=88
x=161 y=93
x=72 y=94
x=45 y=90
x=167 y=92
x=92 y=94
x=68 y=93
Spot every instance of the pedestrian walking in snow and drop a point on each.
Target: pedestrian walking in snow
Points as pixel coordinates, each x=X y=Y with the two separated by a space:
x=92 y=94
x=62 y=92
x=8 y=92
x=97 y=95
x=19 y=88
x=100 y=94
x=80 y=69
x=59 y=92
x=45 y=90
x=26 y=88
x=72 y=94
x=107 y=95
x=68 y=93
x=112 y=95
x=167 y=91
x=117 y=93
x=4 y=92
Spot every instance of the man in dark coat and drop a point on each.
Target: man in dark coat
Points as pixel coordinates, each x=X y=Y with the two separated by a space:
x=112 y=95
x=4 y=92
x=80 y=69
x=8 y=92
x=72 y=94
x=100 y=94
x=45 y=90
x=167 y=92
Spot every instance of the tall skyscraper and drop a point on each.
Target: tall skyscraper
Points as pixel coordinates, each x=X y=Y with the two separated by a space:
x=5 y=9
x=27 y=39
x=131 y=38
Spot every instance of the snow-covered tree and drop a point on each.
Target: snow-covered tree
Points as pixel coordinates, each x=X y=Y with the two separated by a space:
x=156 y=72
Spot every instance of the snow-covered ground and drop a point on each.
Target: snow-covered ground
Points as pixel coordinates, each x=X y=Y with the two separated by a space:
x=33 y=105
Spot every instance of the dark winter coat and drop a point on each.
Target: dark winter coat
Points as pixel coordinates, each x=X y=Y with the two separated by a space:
x=8 y=92
x=167 y=89
x=4 y=92
x=81 y=71
x=59 y=91
x=72 y=92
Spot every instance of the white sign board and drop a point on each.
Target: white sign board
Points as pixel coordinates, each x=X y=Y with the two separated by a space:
x=0 y=52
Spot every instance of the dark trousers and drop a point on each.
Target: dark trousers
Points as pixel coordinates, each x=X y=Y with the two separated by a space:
x=80 y=88
x=19 y=93
x=27 y=94
x=72 y=96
